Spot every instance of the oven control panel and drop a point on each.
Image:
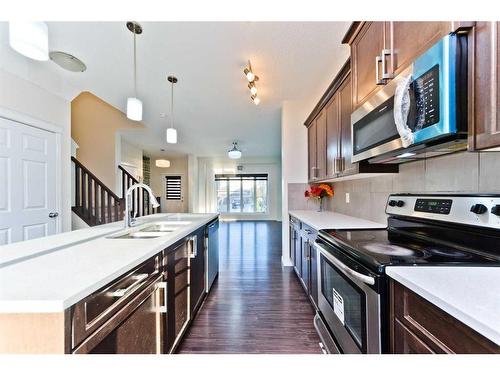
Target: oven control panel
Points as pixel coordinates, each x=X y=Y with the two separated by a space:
x=479 y=210
x=436 y=206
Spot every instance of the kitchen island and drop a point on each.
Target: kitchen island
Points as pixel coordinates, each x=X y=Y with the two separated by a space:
x=43 y=281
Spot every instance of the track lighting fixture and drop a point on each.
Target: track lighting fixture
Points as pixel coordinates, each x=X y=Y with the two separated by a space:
x=252 y=78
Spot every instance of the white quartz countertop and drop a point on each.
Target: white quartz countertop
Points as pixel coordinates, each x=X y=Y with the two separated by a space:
x=52 y=273
x=333 y=220
x=470 y=294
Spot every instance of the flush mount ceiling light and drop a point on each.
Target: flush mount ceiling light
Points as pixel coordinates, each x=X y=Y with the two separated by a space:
x=234 y=152
x=67 y=61
x=134 y=105
x=162 y=163
x=252 y=78
x=172 y=132
x=30 y=39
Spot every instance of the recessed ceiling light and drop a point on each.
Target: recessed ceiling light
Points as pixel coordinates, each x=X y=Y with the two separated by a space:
x=67 y=61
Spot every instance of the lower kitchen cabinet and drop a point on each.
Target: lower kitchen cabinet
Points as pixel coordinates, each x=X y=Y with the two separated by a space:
x=302 y=238
x=178 y=291
x=417 y=326
x=197 y=270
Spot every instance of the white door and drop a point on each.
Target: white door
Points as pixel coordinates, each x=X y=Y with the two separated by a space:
x=173 y=193
x=27 y=182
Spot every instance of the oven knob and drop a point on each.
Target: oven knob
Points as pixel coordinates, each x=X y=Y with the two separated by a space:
x=392 y=203
x=479 y=209
x=495 y=210
x=400 y=203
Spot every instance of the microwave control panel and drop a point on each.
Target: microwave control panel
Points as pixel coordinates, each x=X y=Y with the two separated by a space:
x=426 y=93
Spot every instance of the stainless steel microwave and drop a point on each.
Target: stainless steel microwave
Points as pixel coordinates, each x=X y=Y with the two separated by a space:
x=436 y=109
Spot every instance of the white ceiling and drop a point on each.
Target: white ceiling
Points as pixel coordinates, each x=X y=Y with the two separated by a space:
x=294 y=60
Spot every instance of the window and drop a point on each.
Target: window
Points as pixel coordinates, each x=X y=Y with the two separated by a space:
x=245 y=193
x=173 y=188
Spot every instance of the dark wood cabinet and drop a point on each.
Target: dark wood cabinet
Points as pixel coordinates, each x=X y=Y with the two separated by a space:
x=311 y=147
x=333 y=134
x=418 y=326
x=305 y=260
x=302 y=238
x=178 y=291
x=196 y=248
x=381 y=50
x=316 y=135
x=484 y=130
x=367 y=42
x=333 y=142
x=408 y=40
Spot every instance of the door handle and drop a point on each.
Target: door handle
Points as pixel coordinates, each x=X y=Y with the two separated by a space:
x=378 y=59
x=385 y=75
x=193 y=241
x=162 y=307
x=53 y=214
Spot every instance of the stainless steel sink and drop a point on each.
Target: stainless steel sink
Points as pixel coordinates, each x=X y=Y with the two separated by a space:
x=160 y=227
x=139 y=235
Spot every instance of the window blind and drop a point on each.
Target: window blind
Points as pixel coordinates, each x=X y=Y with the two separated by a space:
x=173 y=188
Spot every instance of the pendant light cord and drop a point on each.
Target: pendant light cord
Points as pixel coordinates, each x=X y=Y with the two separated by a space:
x=135 y=66
x=172 y=106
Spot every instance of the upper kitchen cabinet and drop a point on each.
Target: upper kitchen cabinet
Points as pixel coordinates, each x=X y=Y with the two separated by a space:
x=367 y=41
x=484 y=130
x=317 y=147
x=329 y=134
x=380 y=50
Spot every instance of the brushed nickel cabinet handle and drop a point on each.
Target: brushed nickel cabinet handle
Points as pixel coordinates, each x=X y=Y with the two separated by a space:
x=378 y=81
x=385 y=75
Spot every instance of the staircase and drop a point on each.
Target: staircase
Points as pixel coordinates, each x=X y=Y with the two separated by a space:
x=97 y=204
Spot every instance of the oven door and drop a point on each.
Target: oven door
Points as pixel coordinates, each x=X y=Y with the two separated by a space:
x=348 y=301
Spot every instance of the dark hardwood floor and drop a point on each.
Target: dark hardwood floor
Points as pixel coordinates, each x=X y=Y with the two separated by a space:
x=255 y=305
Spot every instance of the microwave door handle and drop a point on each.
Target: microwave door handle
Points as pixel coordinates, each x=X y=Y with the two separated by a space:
x=364 y=278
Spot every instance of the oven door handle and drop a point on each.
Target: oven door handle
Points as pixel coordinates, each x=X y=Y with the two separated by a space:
x=348 y=271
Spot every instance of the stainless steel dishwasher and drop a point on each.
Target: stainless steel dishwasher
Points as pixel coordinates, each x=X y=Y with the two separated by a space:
x=128 y=316
x=212 y=256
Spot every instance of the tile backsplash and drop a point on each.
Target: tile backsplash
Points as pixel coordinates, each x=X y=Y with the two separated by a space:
x=458 y=172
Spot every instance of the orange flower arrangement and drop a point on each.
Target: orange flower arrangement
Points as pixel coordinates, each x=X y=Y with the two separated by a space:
x=318 y=192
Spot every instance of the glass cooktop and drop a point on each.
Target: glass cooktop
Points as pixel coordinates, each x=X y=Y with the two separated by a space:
x=377 y=248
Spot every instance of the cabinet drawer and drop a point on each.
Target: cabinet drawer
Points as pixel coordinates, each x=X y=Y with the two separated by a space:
x=406 y=342
x=441 y=332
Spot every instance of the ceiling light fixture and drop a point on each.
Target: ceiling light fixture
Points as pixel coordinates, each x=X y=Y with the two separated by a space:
x=30 y=39
x=67 y=61
x=252 y=78
x=134 y=105
x=253 y=88
x=234 y=152
x=172 y=132
x=162 y=163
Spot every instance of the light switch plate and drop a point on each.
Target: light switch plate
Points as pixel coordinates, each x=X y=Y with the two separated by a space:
x=347 y=198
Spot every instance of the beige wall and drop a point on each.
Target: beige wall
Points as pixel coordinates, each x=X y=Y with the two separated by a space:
x=178 y=165
x=94 y=127
x=460 y=172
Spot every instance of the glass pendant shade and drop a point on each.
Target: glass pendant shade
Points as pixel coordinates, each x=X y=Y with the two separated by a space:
x=30 y=39
x=171 y=135
x=234 y=153
x=134 y=109
x=162 y=163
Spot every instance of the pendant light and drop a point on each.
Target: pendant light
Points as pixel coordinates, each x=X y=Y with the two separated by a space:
x=234 y=152
x=134 y=105
x=172 y=132
x=30 y=39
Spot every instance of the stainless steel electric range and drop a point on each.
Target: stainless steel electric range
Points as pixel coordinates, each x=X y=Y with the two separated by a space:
x=427 y=229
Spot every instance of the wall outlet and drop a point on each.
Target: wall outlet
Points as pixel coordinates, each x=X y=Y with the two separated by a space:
x=347 y=198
